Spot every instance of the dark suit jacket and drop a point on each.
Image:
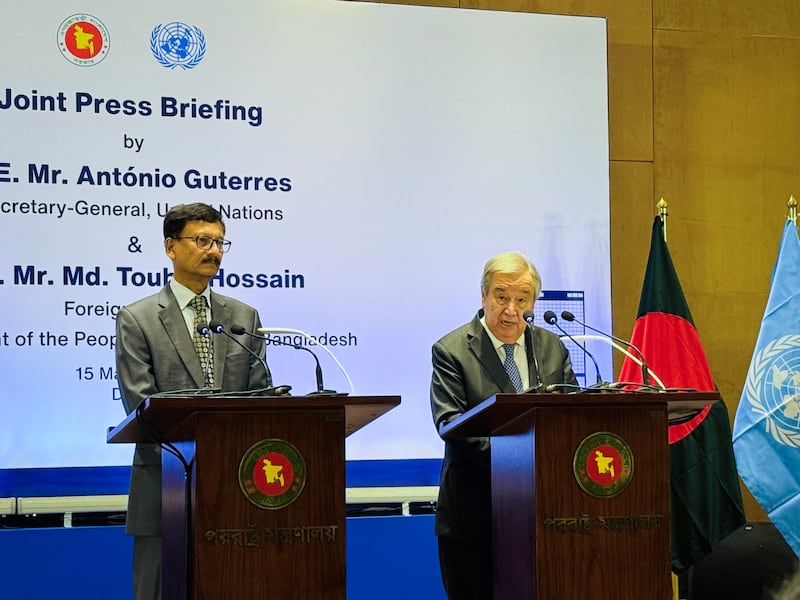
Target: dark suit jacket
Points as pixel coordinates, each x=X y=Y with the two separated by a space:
x=154 y=353
x=466 y=371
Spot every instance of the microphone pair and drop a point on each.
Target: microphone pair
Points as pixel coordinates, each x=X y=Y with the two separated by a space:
x=219 y=328
x=551 y=319
x=568 y=316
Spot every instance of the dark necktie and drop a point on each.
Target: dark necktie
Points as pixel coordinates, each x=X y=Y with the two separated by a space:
x=511 y=367
x=202 y=343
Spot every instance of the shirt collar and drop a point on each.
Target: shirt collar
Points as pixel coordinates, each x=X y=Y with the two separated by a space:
x=496 y=342
x=184 y=295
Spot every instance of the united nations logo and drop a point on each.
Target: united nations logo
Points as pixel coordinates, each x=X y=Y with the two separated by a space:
x=83 y=40
x=272 y=474
x=603 y=465
x=178 y=45
x=773 y=388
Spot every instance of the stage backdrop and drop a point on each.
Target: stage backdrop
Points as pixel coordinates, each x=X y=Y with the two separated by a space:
x=367 y=160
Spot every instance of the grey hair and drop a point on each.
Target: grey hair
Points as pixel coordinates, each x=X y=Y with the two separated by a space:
x=510 y=263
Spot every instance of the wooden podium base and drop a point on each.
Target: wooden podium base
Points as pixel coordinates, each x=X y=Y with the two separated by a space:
x=255 y=510
x=570 y=545
x=580 y=492
x=240 y=549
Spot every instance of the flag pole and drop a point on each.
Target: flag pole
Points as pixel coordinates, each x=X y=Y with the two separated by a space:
x=662 y=212
x=792 y=204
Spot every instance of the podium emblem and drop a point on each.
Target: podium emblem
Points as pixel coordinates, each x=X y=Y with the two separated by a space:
x=603 y=465
x=272 y=474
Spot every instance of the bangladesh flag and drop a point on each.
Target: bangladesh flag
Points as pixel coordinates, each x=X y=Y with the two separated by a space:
x=705 y=499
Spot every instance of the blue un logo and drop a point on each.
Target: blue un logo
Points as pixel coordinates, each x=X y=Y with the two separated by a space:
x=782 y=388
x=773 y=388
x=177 y=45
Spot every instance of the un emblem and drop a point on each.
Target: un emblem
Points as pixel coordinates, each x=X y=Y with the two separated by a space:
x=177 y=45
x=773 y=388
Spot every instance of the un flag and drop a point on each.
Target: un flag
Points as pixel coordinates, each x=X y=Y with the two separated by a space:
x=766 y=430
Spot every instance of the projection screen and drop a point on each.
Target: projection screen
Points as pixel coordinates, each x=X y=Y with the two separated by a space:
x=367 y=159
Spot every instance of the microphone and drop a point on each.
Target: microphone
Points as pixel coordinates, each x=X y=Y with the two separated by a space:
x=568 y=316
x=217 y=327
x=312 y=340
x=551 y=319
x=528 y=317
x=239 y=330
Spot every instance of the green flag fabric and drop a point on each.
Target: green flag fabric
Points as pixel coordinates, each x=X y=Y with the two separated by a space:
x=705 y=498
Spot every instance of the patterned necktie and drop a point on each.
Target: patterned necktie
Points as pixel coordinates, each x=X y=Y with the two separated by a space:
x=202 y=343
x=511 y=367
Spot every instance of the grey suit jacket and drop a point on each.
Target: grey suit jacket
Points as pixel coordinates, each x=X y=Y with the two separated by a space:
x=466 y=371
x=154 y=353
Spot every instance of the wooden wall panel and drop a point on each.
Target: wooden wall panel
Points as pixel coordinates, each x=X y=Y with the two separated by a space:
x=632 y=213
x=726 y=128
x=439 y=3
x=746 y=17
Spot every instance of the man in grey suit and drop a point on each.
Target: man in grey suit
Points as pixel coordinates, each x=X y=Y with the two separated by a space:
x=157 y=352
x=495 y=352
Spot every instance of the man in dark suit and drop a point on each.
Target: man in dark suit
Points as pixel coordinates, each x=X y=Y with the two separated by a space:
x=156 y=352
x=496 y=352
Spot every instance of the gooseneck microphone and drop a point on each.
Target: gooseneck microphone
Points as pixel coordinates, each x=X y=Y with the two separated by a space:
x=217 y=327
x=551 y=319
x=528 y=317
x=312 y=341
x=568 y=316
x=321 y=391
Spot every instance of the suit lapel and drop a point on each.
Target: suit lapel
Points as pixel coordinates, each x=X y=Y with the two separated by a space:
x=481 y=347
x=174 y=324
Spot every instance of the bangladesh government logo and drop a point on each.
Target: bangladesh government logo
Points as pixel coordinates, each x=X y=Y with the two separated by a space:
x=603 y=465
x=773 y=388
x=272 y=474
x=178 y=45
x=83 y=40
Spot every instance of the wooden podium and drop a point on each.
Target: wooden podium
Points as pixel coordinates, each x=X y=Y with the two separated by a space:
x=580 y=492
x=261 y=514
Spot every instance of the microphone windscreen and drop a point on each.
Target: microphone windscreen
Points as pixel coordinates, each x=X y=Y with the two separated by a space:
x=238 y=330
x=550 y=317
x=528 y=315
x=567 y=316
x=216 y=327
x=203 y=329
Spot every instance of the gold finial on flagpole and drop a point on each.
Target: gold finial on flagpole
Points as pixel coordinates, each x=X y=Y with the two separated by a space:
x=662 y=212
x=792 y=204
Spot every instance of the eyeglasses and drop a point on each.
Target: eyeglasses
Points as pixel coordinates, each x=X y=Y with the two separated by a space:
x=203 y=242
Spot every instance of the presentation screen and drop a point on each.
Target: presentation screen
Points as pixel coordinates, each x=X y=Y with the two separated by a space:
x=367 y=160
